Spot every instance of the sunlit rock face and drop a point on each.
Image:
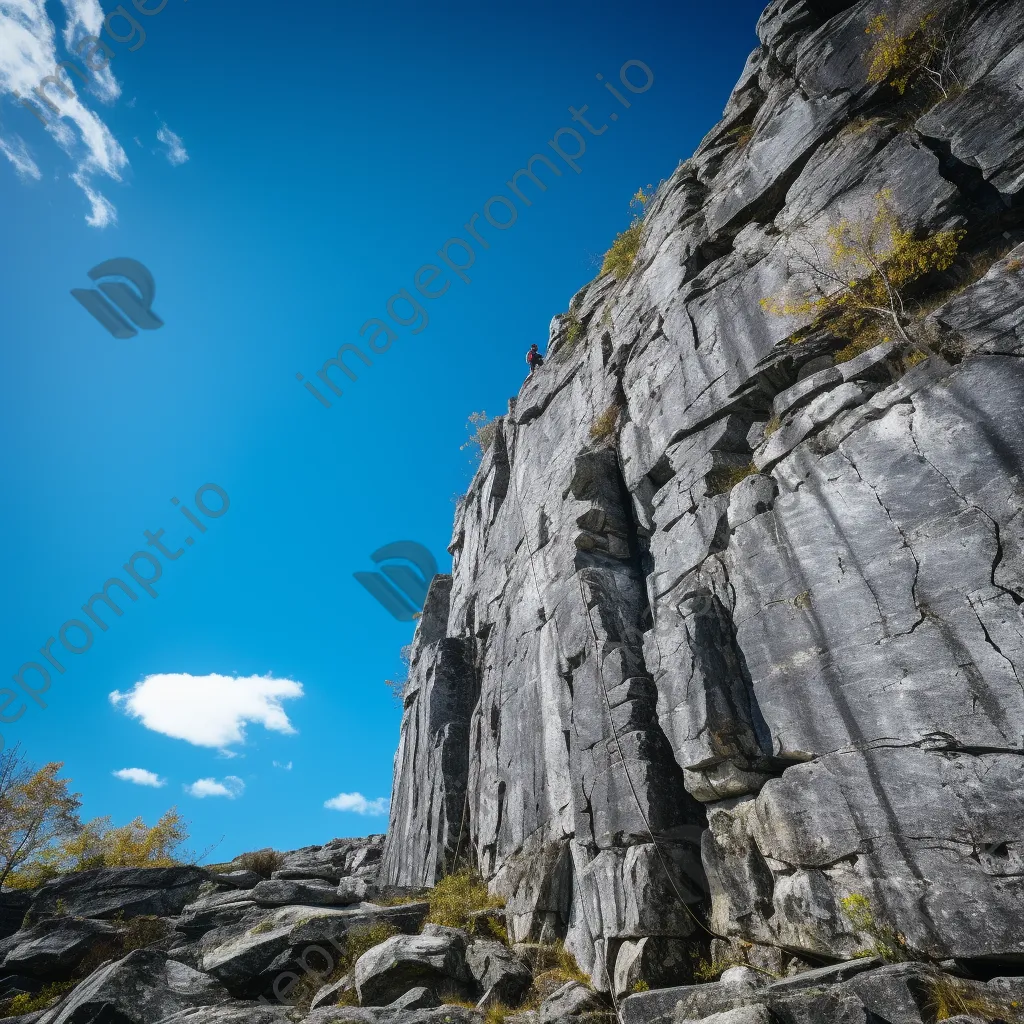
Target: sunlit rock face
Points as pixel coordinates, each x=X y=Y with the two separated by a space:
x=758 y=646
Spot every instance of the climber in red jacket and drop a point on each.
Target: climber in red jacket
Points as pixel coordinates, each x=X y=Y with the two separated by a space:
x=534 y=358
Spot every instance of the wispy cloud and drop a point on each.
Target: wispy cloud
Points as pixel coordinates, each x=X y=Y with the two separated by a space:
x=284 y=767
x=85 y=18
x=358 y=804
x=28 y=54
x=102 y=211
x=16 y=151
x=230 y=786
x=208 y=711
x=175 y=152
x=140 y=777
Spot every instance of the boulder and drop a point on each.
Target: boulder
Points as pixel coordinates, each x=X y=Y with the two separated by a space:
x=327 y=995
x=265 y=952
x=53 y=948
x=324 y=874
x=499 y=974
x=214 y=911
x=18 y=984
x=283 y=893
x=144 y=987
x=107 y=892
x=419 y=998
x=400 y=963
x=355 y=890
x=240 y=879
x=571 y=1000
x=741 y=1015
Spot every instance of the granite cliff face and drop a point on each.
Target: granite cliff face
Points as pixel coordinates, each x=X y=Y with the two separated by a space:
x=726 y=682
x=760 y=648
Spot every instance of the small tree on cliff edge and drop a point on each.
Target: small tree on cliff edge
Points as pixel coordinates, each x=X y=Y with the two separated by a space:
x=923 y=51
x=865 y=270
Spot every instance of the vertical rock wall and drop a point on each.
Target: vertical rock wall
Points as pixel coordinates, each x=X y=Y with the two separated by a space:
x=657 y=703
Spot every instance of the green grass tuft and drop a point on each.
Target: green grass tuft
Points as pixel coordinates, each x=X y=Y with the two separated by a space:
x=454 y=899
x=619 y=259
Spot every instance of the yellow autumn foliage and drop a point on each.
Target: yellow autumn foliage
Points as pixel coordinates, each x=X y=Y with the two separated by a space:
x=867 y=267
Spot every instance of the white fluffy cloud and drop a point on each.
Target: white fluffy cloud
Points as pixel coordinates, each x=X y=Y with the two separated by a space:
x=208 y=711
x=358 y=804
x=140 y=776
x=28 y=54
x=230 y=786
x=176 y=153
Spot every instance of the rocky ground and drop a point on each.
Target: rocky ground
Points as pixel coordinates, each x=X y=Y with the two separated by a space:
x=309 y=944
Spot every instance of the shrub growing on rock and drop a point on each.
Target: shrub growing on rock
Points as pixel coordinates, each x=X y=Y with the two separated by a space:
x=619 y=259
x=923 y=50
x=25 y=1003
x=455 y=898
x=604 y=426
x=865 y=270
x=949 y=997
x=263 y=862
x=481 y=434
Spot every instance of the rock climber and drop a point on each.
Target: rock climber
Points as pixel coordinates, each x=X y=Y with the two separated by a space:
x=534 y=358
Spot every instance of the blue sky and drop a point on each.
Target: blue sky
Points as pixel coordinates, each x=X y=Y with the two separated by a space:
x=309 y=163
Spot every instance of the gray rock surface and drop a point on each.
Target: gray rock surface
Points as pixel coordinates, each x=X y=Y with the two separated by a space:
x=13 y=906
x=402 y=962
x=266 y=951
x=239 y=879
x=107 y=892
x=774 y=617
x=443 y=1014
x=142 y=988
x=53 y=947
x=570 y=1000
x=499 y=974
x=236 y=1013
x=284 y=893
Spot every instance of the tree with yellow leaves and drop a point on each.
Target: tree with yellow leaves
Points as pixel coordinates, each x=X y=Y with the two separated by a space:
x=865 y=271
x=901 y=56
x=41 y=835
x=37 y=811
